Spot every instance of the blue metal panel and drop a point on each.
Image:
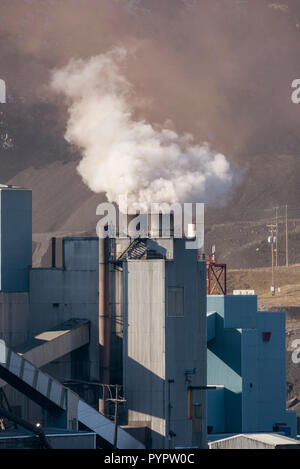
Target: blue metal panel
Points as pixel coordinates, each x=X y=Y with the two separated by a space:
x=186 y=339
x=16 y=239
x=252 y=370
x=80 y=253
x=1 y=280
x=264 y=375
x=211 y=326
x=224 y=366
x=216 y=410
x=240 y=311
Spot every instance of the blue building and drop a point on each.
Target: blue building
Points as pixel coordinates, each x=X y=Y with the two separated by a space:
x=246 y=359
x=15 y=238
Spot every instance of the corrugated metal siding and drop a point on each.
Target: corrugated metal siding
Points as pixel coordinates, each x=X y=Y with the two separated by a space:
x=144 y=363
x=162 y=348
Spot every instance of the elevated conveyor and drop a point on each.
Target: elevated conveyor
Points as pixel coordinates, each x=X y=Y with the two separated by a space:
x=53 y=396
x=56 y=342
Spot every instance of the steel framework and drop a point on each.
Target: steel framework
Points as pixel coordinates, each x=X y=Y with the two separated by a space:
x=216 y=277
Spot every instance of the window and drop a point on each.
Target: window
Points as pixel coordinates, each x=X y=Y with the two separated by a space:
x=175 y=301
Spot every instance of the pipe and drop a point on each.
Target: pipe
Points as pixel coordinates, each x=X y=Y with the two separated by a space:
x=170 y=407
x=104 y=323
x=53 y=263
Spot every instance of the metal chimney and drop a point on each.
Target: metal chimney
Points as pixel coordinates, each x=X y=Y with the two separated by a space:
x=104 y=323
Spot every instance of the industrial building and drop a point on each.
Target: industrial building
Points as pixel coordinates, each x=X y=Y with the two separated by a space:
x=165 y=346
x=126 y=323
x=120 y=312
x=246 y=357
x=256 y=441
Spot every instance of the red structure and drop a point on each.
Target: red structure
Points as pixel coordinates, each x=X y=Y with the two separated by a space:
x=216 y=276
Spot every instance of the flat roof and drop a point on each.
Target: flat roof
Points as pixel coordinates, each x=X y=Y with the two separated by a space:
x=272 y=438
x=22 y=433
x=267 y=438
x=11 y=187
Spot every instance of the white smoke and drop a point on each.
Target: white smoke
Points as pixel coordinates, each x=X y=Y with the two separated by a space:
x=121 y=155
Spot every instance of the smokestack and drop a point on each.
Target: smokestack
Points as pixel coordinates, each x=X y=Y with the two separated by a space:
x=104 y=323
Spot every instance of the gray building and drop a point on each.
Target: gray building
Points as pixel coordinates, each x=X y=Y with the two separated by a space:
x=165 y=346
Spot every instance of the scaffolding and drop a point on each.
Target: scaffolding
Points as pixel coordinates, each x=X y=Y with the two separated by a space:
x=216 y=276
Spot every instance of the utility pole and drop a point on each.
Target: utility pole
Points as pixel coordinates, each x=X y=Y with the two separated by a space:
x=272 y=240
x=286 y=237
x=116 y=417
x=116 y=401
x=276 y=253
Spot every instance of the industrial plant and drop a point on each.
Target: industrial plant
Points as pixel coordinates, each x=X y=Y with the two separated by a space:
x=132 y=343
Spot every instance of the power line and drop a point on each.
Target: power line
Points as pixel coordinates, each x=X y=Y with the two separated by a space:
x=272 y=240
x=286 y=237
x=276 y=218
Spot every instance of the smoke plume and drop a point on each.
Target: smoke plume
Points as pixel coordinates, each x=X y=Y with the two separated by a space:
x=125 y=154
